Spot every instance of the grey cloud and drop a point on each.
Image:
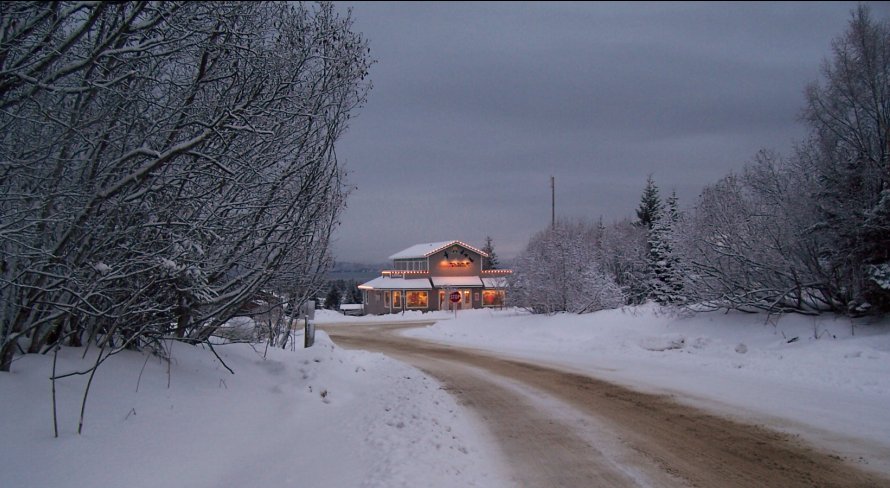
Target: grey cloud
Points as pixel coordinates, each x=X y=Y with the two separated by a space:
x=475 y=105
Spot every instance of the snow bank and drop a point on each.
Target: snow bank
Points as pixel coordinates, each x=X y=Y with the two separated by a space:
x=314 y=417
x=333 y=317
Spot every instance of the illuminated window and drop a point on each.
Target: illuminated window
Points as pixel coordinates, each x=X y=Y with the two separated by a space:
x=386 y=299
x=466 y=297
x=397 y=299
x=493 y=298
x=416 y=299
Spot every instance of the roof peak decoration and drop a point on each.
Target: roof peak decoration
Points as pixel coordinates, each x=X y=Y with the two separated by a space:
x=428 y=249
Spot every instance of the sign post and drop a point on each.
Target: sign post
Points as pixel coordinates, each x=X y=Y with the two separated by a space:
x=455 y=298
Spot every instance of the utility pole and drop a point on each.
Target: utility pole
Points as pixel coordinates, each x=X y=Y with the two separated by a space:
x=552 y=202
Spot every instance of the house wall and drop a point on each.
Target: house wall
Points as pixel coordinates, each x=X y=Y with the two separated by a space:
x=442 y=266
x=374 y=305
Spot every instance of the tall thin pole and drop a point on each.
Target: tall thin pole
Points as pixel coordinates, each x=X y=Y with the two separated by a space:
x=552 y=202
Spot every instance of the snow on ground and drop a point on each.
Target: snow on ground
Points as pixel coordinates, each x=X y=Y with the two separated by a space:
x=826 y=378
x=317 y=417
x=328 y=417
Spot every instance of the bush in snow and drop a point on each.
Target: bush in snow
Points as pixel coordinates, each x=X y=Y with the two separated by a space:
x=559 y=271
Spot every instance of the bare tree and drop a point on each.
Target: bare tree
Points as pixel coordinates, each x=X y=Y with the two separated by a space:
x=809 y=233
x=164 y=162
x=748 y=242
x=559 y=271
x=849 y=117
x=623 y=251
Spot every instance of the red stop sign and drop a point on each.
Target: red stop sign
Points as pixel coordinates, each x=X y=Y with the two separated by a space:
x=455 y=296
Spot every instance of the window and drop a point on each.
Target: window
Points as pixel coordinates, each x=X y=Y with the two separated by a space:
x=466 y=297
x=396 y=299
x=493 y=298
x=416 y=299
x=386 y=299
x=410 y=265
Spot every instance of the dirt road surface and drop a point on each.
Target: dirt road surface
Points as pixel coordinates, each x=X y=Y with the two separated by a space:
x=557 y=428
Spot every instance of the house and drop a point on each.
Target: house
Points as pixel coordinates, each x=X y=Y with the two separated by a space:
x=435 y=276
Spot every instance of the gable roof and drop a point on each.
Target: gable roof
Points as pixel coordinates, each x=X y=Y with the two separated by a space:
x=428 y=249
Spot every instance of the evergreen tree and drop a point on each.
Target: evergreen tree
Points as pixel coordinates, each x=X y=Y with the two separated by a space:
x=673 y=208
x=649 y=215
x=665 y=276
x=491 y=262
x=332 y=300
x=355 y=295
x=650 y=204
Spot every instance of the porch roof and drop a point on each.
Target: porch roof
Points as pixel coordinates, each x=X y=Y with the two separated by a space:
x=387 y=283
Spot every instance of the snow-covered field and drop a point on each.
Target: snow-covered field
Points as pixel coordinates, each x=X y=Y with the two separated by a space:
x=825 y=378
x=318 y=417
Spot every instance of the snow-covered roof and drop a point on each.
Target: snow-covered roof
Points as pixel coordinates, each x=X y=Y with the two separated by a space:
x=456 y=281
x=495 y=282
x=428 y=249
x=387 y=283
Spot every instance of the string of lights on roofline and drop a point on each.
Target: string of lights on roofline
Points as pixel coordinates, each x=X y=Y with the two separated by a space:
x=393 y=272
x=464 y=244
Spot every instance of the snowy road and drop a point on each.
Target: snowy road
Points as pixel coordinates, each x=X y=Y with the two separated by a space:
x=558 y=428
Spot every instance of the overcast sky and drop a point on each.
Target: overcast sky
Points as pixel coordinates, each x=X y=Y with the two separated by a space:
x=476 y=105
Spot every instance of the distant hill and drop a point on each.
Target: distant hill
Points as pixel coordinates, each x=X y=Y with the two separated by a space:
x=356 y=271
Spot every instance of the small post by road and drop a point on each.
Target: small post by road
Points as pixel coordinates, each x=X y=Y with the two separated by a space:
x=308 y=310
x=308 y=333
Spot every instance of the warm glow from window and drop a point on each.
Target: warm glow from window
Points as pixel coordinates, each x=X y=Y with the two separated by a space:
x=397 y=299
x=416 y=299
x=493 y=298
